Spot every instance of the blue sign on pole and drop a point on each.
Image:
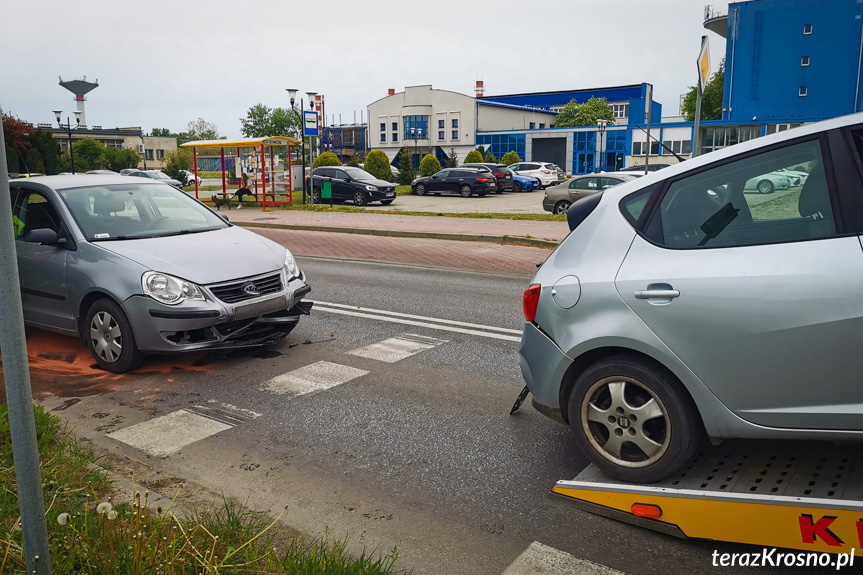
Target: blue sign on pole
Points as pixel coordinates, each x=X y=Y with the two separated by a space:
x=310 y=123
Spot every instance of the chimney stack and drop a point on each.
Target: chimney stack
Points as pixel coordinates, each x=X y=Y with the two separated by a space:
x=480 y=89
x=391 y=92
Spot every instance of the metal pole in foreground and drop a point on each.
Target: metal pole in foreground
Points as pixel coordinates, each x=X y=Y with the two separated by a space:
x=19 y=395
x=303 y=138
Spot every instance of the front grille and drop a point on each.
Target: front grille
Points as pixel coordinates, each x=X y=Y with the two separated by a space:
x=236 y=291
x=388 y=189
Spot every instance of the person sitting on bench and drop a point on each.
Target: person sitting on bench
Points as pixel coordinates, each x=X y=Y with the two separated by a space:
x=243 y=191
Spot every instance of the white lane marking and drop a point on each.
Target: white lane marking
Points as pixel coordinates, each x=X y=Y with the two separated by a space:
x=422 y=317
x=169 y=433
x=397 y=348
x=420 y=324
x=539 y=558
x=312 y=378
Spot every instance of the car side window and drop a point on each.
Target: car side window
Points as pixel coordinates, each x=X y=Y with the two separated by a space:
x=585 y=184
x=444 y=173
x=608 y=182
x=328 y=173
x=33 y=211
x=750 y=201
x=340 y=175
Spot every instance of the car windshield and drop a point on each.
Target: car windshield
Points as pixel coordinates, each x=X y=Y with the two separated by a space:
x=135 y=211
x=359 y=174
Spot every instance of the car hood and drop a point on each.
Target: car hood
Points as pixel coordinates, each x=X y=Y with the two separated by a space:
x=378 y=183
x=205 y=257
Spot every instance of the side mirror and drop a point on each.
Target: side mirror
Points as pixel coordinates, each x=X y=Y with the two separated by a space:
x=223 y=216
x=42 y=236
x=434 y=177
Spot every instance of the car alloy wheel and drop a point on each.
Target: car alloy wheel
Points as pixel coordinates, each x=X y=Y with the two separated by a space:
x=359 y=198
x=420 y=190
x=465 y=191
x=635 y=421
x=765 y=187
x=516 y=187
x=561 y=207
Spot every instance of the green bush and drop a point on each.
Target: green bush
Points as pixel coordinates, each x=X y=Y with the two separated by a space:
x=34 y=162
x=429 y=165
x=354 y=163
x=473 y=157
x=510 y=158
x=489 y=158
x=327 y=159
x=378 y=165
x=406 y=168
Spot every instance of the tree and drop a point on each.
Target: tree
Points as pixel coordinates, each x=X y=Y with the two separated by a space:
x=574 y=114
x=378 y=165
x=121 y=159
x=12 y=159
x=510 y=158
x=16 y=133
x=328 y=159
x=48 y=147
x=452 y=160
x=406 y=167
x=166 y=133
x=489 y=158
x=711 y=99
x=473 y=157
x=34 y=162
x=177 y=160
x=201 y=129
x=262 y=121
x=89 y=155
x=429 y=165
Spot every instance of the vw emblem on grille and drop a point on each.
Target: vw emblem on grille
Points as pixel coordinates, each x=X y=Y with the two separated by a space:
x=251 y=289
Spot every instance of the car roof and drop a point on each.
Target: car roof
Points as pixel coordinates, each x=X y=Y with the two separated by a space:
x=78 y=181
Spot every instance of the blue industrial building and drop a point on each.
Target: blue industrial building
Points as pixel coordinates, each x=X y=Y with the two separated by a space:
x=791 y=60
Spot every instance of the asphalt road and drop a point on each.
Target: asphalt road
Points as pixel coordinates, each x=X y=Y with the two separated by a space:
x=419 y=453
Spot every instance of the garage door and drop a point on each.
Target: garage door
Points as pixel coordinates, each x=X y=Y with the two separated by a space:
x=549 y=150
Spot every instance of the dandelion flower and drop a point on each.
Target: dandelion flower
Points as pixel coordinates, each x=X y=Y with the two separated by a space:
x=103 y=508
x=63 y=518
x=112 y=515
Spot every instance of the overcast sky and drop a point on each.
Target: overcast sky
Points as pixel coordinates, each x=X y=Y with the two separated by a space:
x=163 y=63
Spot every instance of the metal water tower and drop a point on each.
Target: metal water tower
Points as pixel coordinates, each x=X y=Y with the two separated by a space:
x=80 y=88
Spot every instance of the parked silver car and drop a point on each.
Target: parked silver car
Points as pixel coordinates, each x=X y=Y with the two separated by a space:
x=680 y=306
x=134 y=266
x=558 y=199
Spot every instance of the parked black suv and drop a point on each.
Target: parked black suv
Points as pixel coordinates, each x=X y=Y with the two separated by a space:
x=352 y=184
x=502 y=175
x=464 y=181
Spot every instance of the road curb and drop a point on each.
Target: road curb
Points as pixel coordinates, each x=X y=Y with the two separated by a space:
x=515 y=240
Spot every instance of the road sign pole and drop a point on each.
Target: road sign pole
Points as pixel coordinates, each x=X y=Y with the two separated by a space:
x=19 y=395
x=696 y=128
x=703 y=64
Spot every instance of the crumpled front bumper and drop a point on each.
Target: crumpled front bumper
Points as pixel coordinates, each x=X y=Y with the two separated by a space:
x=213 y=324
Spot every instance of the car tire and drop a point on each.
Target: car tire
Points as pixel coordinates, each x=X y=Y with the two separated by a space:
x=625 y=398
x=360 y=198
x=516 y=187
x=765 y=187
x=386 y=202
x=420 y=190
x=465 y=191
x=499 y=190
x=105 y=323
x=562 y=207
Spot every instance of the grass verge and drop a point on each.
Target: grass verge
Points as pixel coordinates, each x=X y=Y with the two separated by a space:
x=90 y=534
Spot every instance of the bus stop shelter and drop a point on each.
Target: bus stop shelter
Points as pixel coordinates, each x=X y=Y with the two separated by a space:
x=256 y=145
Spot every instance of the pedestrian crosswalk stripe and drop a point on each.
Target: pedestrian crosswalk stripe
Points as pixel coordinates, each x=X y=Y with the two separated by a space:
x=313 y=378
x=539 y=558
x=397 y=348
x=169 y=433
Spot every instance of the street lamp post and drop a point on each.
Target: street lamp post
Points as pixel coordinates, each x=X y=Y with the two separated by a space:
x=292 y=94
x=601 y=124
x=415 y=134
x=69 y=128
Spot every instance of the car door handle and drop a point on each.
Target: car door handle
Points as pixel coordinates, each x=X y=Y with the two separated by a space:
x=656 y=293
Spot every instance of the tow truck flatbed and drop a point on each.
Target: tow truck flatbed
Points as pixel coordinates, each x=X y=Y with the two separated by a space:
x=806 y=496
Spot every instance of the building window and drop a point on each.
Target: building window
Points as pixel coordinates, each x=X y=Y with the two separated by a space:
x=804 y=61
x=803 y=91
x=455 y=122
x=395 y=136
x=383 y=137
x=383 y=126
x=677 y=146
x=440 y=134
x=160 y=154
x=807 y=29
x=441 y=124
x=620 y=110
x=395 y=126
x=148 y=154
x=640 y=148
x=455 y=134
x=416 y=127
x=541 y=126
x=532 y=126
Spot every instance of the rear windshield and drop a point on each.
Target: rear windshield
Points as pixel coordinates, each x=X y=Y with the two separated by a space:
x=137 y=210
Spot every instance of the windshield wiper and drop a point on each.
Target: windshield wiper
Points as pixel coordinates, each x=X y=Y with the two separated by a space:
x=184 y=232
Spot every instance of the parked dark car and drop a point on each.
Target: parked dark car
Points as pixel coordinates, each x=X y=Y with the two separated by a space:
x=502 y=175
x=464 y=181
x=650 y=168
x=353 y=184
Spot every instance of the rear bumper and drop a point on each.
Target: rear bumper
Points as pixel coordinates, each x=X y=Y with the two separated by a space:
x=213 y=325
x=543 y=366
